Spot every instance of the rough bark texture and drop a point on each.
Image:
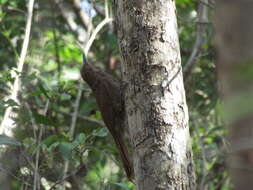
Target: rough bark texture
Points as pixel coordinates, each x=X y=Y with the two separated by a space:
x=155 y=98
x=234 y=29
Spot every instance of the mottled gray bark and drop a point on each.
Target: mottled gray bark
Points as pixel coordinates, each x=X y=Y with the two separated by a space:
x=234 y=29
x=154 y=95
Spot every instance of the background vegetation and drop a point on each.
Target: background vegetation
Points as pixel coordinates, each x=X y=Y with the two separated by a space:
x=51 y=86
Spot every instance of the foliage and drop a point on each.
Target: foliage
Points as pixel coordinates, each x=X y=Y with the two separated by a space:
x=52 y=74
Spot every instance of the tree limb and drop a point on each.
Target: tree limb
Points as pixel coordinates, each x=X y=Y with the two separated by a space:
x=98 y=9
x=8 y=124
x=36 y=181
x=72 y=127
x=79 y=31
x=200 y=37
x=84 y=118
x=85 y=19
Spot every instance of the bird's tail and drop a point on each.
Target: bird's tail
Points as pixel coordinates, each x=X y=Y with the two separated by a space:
x=127 y=164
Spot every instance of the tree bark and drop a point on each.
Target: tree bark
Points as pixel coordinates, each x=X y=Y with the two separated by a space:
x=234 y=29
x=154 y=95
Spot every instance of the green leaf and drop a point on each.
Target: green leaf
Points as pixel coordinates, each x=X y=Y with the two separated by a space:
x=51 y=140
x=7 y=77
x=41 y=119
x=53 y=146
x=43 y=90
x=5 y=140
x=3 y=1
x=10 y=103
x=122 y=185
x=13 y=3
x=34 y=93
x=66 y=150
x=3 y=85
x=97 y=115
x=81 y=138
x=100 y=132
x=65 y=96
x=108 y=148
x=27 y=79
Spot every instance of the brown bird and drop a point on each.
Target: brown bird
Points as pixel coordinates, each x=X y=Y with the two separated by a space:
x=109 y=98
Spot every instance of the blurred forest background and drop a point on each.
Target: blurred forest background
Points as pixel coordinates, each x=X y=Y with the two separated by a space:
x=59 y=133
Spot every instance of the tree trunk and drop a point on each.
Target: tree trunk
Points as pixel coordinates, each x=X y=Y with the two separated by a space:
x=154 y=95
x=234 y=29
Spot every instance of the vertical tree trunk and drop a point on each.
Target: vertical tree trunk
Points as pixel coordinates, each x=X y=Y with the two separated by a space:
x=154 y=96
x=234 y=29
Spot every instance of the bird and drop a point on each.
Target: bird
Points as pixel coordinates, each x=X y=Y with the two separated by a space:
x=109 y=97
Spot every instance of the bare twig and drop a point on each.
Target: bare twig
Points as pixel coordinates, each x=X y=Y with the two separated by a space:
x=36 y=181
x=98 y=9
x=203 y=154
x=8 y=124
x=106 y=9
x=84 y=118
x=72 y=127
x=5 y=170
x=85 y=19
x=94 y=34
x=56 y=46
x=208 y=4
x=6 y=36
x=79 y=31
x=12 y=8
x=200 y=37
x=32 y=119
x=201 y=185
x=63 y=179
x=106 y=20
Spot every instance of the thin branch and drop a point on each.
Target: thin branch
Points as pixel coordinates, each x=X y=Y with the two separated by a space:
x=56 y=46
x=12 y=8
x=72 y=127
x=36 y=181
x=208 y=4
x=204 y=171
x=9 y=40
x=106 y=20
x=79 y=31
x=32 y=120
x=212 y=3
x=85 y=19
x=63 y=179
x=94 y=34
x=204 y=161
x=98 y=9
x=106 y=9
x=200 y=38
x=5 y=170
x=64 y=12
x=84 y=118
x=75 y=114
x=8 y=124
